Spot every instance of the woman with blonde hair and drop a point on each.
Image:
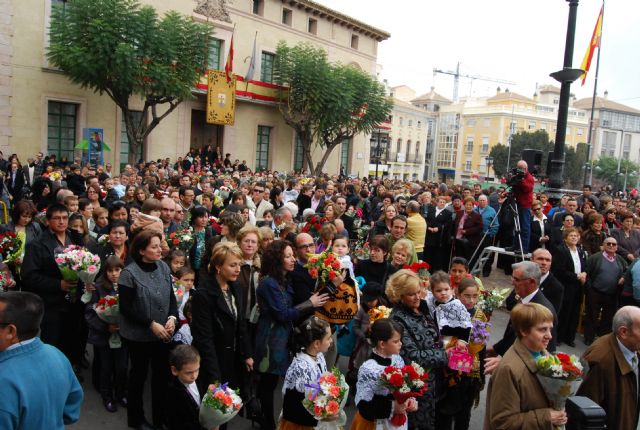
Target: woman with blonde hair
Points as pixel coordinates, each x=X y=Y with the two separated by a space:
x=420 y=340
x=249 y=238
x=515 y=398
x=266 y=237
x=331 y=211
x=402 y=252
x=217 y=325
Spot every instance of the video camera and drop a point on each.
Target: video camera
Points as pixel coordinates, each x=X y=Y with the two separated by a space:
x=515 y=176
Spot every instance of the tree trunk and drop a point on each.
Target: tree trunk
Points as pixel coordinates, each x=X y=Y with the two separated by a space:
x=327 y=152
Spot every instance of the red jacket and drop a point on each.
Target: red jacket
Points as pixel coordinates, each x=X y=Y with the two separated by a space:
x=524 y=191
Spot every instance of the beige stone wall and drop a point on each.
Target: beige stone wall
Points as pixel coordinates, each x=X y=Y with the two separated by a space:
x=27 y=84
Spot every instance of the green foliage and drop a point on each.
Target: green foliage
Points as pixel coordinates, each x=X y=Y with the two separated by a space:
x=499 y=153
x=123 y=49
x=606 y=169
x=326 y=103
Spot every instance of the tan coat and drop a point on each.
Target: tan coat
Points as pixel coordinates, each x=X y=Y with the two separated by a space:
x=515 y=399
x=416 y=230
x=611 y=383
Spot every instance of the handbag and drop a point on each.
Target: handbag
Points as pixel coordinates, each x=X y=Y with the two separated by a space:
x=252 y=409
x=460 y=360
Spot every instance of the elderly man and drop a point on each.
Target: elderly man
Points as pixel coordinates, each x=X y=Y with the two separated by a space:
x=612 y=378
x=552 y=289
x=39 y=388
x=605 y=277
x=416 y=227
x=525 y=280
x=523 y=193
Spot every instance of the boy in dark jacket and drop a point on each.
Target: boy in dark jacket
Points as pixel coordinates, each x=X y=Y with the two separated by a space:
x=183 y=392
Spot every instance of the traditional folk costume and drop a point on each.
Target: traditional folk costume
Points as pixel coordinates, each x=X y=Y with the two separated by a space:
x=304 y=369
x=374 y=402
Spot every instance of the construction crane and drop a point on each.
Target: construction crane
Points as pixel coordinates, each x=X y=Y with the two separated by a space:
x=456 y=79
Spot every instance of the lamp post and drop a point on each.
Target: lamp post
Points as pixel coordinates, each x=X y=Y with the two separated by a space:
x=489 y=163
x=565 y=76
x=377 y=152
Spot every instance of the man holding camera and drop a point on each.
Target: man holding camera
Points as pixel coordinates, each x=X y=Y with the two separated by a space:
x=523 y=194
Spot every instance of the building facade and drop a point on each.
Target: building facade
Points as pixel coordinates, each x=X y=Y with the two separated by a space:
x=41 y=110
x=468 y=130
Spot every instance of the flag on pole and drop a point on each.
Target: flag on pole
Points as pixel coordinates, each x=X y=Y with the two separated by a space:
x=228 y=67
x=595 y=43
x=252 y=62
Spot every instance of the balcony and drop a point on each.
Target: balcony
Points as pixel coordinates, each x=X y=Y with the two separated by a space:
x=401 y=157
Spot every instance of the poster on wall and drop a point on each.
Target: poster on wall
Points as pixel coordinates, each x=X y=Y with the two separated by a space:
x=93 y=146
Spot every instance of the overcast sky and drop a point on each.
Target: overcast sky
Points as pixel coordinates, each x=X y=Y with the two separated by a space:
x=514 y=40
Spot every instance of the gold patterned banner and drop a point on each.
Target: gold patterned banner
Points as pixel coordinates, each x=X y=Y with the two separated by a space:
x=221 y=98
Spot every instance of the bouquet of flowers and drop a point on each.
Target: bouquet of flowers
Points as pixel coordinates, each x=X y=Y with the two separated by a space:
x=492 y=300
x=403 y=383
x=421 y=268
x=313 y=225
x=213 y=222
x=361 y=251
x=103 y=240
x=560 y=375
x=324 y=267
x=179 y=291
x=6 y=281
x=378 y=313
x=480 y=334
x=108 y=310
x=11 y=246
x=77 y=263
x=325 y=399
x=219 y=405
x=181 y=238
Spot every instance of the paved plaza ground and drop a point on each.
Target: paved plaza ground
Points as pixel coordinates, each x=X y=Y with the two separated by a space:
x=94 y=416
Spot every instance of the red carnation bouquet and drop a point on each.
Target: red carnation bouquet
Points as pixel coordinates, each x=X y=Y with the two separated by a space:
x=182 y=239
x=421 y=268
x=11 y=246
x=403 y=383
x=324 y=267
x=313 y=225
x=108 y=310
x=560 y=375
x=215 y=225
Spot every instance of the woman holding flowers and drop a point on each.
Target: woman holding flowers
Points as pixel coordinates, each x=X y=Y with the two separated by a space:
x=420 y=341
x=217 y=325
x=277 y=314
x=515 y=398
x=149 y=312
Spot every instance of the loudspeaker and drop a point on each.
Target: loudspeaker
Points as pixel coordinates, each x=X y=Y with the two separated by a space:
x=533 y=157
x=585 y=414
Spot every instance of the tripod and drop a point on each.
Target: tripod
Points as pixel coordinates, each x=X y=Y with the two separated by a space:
x=512 y=207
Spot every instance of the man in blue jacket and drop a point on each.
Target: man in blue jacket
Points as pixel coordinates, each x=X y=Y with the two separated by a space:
x=488 y=216
x=39 y=388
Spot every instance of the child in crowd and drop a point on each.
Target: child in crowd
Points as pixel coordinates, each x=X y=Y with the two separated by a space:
x=463 y=389
x=327 y=233
x=183 y=394
x=312 y=339
x=183 y=335
x=374 y=402
x=450 y=314
x=459 y=271
x=112 y=362
x=149 y=217
x=176 y=259
x=186 y=277
x=340 y=246
x=370 y=298
x=72 y=204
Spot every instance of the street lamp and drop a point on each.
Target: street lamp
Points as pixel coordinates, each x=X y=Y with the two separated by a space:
x=489 y=163
x=378 y=151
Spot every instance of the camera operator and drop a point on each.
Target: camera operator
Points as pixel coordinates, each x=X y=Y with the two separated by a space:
x=522 y=186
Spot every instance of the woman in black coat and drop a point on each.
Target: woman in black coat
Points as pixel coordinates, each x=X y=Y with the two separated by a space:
x=540 y=227
x=437 y=244
x=573 y=278
x=218 y=327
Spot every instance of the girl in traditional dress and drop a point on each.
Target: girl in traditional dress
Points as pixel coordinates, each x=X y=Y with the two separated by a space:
x=313 y=338
x=375 y=404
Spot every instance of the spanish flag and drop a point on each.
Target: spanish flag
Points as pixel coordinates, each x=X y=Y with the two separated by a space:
x=228 y=67
x=595 y=43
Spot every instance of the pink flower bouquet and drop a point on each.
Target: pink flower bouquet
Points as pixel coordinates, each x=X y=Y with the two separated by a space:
x=78 y=264
x=219 y=405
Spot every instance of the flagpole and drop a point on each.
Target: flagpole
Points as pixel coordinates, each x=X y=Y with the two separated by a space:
x=593 y=105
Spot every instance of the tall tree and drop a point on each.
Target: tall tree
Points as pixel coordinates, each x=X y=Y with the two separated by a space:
x=538 y=139
x=124 y=49
x=606 y=169
x=326 y=103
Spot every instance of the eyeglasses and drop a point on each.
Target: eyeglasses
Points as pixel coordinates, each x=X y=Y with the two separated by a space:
x=610 y=244
x=536 y=209
x=60 y=218
x=258 y=191
x=308 y=245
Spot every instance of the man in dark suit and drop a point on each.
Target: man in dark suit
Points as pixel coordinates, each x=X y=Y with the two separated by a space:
x=571 y=208
x=526 y=280
x=549 y=284
x=437 y=244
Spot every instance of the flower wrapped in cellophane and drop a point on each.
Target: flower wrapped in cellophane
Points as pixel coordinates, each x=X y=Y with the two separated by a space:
x=404 y=383
x=560 y=375
x=378 y=312
x=219 y=405
x=326 y=398
x=108 y=310
x=78 y=264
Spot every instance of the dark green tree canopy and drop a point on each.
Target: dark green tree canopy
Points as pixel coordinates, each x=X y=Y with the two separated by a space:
x=124 y=49
x=326 y=103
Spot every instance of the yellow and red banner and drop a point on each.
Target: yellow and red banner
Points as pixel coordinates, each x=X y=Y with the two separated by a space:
x=221 y=98
x=595 y=43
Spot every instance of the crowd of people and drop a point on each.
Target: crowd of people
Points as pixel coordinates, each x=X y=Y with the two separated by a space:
x=251 y=313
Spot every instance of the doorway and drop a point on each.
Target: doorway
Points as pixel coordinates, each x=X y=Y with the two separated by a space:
x=204 y=134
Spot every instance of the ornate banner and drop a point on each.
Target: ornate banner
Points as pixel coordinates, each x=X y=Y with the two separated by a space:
x=221 y=98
